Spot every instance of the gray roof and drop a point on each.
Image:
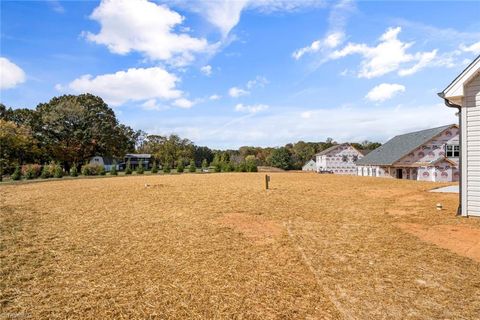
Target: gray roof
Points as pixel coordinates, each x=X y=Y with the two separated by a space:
x=324 y=152
x=138 y=155
x=400 y=146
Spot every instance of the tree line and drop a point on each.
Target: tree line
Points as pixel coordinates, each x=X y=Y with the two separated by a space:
x=71 y=129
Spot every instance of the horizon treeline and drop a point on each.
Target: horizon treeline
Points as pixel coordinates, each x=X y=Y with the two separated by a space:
x=71 y=129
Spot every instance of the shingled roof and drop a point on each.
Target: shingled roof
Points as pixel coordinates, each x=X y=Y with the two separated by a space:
x=400 y=146
x=324 y=152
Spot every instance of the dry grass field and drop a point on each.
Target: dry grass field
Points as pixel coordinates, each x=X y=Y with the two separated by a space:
x=218 y=246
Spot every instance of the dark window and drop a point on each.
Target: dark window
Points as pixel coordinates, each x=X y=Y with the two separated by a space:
x=452 y=151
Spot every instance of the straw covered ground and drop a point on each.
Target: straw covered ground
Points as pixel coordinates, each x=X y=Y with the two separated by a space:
x=216 y=246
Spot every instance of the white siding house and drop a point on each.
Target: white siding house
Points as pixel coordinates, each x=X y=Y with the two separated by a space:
x=464 y=93
x=310 y=166
x=339 y=159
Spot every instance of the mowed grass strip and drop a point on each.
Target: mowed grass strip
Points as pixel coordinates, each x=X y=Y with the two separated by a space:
x=217 y=246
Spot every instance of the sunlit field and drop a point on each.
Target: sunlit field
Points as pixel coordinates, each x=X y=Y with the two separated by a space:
x=220 y=246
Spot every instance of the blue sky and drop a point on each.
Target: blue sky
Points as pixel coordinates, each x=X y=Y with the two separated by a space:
x=232 y=73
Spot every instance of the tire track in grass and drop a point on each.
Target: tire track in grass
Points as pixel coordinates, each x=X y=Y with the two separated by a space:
x=346 y=314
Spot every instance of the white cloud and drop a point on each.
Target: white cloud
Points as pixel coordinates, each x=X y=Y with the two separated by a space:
x=384 y=92
x=56 y=6
x=226 y=14
x=329 y=42
x=250 y=108
x=335 y=34
x=473 y=48
x=236 y=92
x=146 y=27
x=131 y=85
x=183 y=103
x=389 y=55
x=424 y=59
x=206 y=70
x=214 y=97
x=258 y=82
x=151 y=104
x=11 y=75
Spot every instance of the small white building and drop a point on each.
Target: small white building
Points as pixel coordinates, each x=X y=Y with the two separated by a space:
x=310 y=166
x=426 y=155
x=338 y=159
x=464 y=94
x=106 y=162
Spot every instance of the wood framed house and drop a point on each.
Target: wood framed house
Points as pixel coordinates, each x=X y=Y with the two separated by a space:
x=427 y=155
x=338 y=159
x=310 y=166
x=463 y=93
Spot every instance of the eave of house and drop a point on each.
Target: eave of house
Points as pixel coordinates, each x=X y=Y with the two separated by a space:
x=454 y=92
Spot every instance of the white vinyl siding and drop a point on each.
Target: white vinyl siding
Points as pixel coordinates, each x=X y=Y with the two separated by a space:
x=472 y=144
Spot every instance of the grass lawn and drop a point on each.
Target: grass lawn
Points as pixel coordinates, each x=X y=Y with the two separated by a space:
x=220 y=246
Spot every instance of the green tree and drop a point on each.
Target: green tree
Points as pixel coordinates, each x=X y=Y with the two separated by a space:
x=75 y=128
x=280 y=158
x=180 y=166
x=140 y=169
x=166 y=168
x=17 y=175
x=154 y=167
x=74 y=170
x=45 y=172
x=204 y=164
x=58 y=173
x=251 y=163
x=128 y=167
x=16 y=143
x=192 y=168
x=113 y=170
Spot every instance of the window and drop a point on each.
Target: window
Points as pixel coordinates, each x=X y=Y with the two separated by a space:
x=452 y=151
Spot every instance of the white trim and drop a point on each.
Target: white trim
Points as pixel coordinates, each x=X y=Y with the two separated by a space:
x=456 y=90
x=463 y=150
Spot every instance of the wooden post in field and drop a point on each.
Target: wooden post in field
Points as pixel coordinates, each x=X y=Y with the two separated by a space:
x=267 y=180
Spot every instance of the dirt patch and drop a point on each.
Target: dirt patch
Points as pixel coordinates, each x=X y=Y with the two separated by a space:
x=463 y=240
x=255 y=228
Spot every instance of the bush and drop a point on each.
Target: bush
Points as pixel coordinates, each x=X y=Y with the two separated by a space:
x=113 y=169
x=128 y=168
x=92 y=169
x=154 y=167
x=58 y=171
x=45 y=172
x=241 y=167
x=192 y=168
x=140 y=169
x=229 y=167
x=101 y=170
x=31 y=171
x=17 y=175
x=204 y=164
x=251 y=163
x=180 y=167
x=166 y=168
x=74 y=170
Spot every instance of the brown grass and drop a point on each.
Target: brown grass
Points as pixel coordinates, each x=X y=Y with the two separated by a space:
x=220 y=246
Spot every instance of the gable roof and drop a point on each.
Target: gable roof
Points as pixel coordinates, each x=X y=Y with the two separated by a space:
x=455 y=88
x=324 y=152
x=310 y=162
x=400 y=146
